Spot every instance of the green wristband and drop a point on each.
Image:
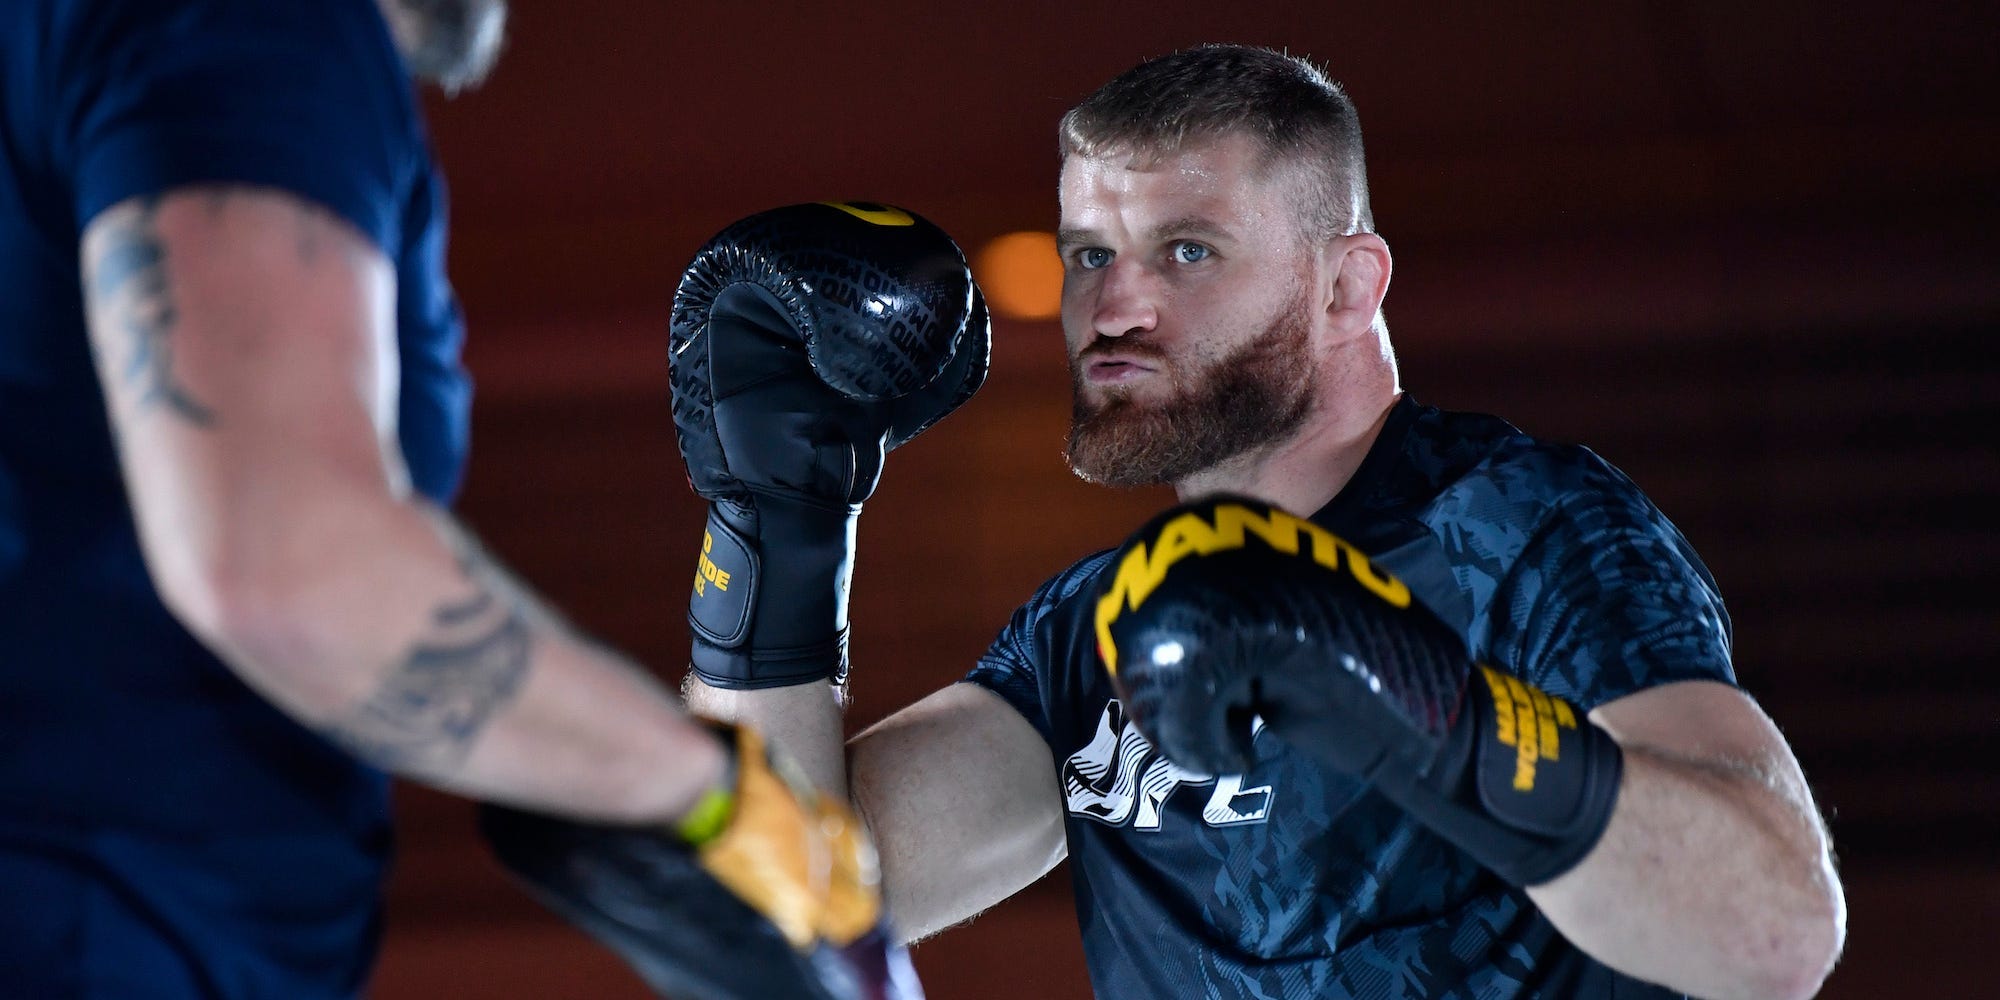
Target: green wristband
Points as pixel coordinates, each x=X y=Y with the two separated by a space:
x=709 y=817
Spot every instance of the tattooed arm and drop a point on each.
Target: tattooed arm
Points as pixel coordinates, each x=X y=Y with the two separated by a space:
x=246 y=344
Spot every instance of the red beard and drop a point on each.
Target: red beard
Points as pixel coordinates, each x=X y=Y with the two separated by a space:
x=1255 y=395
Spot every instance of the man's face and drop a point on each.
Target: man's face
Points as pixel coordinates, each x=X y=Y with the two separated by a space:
x=1186 y=310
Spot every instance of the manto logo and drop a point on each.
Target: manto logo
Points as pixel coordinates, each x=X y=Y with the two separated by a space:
x=1228 y=527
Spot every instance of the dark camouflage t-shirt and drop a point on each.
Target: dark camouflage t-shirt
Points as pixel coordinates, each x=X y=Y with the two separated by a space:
x=1291 y=881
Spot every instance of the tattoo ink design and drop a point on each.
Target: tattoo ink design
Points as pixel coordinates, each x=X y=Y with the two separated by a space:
x=130 y=278
x=432 y=706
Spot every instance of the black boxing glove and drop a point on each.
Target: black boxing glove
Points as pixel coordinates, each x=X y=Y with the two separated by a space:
x=1229 y=609
x=767 y=888
x=808 y=341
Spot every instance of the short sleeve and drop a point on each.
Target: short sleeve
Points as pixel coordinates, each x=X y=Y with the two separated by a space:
x=1021 y=664
x=1613 y=599
x=307 y=96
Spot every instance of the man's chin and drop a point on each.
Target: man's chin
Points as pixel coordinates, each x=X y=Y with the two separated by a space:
x=1122 y=444
x=1116 y=476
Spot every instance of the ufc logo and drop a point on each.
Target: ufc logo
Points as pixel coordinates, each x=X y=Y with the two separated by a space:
x=1119 y=778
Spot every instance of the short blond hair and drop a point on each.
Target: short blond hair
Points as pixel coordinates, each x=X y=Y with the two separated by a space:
x=1284 y=103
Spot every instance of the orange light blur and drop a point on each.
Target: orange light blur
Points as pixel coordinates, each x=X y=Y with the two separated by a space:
x=1021 y=275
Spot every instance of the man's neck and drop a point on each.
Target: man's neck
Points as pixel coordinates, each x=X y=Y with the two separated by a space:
x=1307 y=470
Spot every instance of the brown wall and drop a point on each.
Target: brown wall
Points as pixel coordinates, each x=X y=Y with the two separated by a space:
x=1744 y=255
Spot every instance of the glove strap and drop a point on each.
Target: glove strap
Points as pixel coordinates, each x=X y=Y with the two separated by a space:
x=1525 y=784
x=759 y=622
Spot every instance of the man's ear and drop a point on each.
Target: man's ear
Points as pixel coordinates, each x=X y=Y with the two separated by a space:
x=1354 y=277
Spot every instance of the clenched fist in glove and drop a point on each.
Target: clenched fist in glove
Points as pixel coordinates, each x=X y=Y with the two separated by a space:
x=1229 y=609
x=808 y=341
x=766 y=889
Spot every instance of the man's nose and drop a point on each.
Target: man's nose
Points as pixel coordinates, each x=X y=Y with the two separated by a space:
x=1128 y=301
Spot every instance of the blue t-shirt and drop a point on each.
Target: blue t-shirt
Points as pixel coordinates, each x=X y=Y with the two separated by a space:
x=115 y=723
x=1292 y=881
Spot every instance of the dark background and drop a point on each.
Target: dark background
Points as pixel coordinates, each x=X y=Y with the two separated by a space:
x=1743 y=251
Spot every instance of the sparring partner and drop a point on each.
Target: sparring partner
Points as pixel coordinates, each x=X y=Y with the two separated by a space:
x=231 y=418
x=1222 y=309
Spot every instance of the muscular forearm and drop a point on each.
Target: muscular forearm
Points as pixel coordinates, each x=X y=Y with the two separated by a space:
x=804 y=721
x=378 y=623
x=1709 y=879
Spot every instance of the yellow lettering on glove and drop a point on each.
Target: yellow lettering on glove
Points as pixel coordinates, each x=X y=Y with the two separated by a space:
x=796 y=856
x=1503 y=706
x=1528 y=719
x=1144 y=567
x=706 y=571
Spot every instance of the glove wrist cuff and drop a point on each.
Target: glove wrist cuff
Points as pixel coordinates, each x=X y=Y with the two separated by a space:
x=769 y=606
x=1526 y=785
x=743 y=669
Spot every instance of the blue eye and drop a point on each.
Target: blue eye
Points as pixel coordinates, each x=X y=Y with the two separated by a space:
x=1190 y=253
x=1092 y=258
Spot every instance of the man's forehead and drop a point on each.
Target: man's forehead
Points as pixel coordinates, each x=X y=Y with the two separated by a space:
x=1208 y=173
x=1203 y=155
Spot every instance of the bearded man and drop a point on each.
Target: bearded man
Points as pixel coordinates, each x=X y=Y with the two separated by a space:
x=1222 y=302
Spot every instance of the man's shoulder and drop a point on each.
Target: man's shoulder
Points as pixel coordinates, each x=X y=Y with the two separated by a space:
x=1476 y=496
x=1044 y=647
x=1484 y=466
x=1067 y=593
